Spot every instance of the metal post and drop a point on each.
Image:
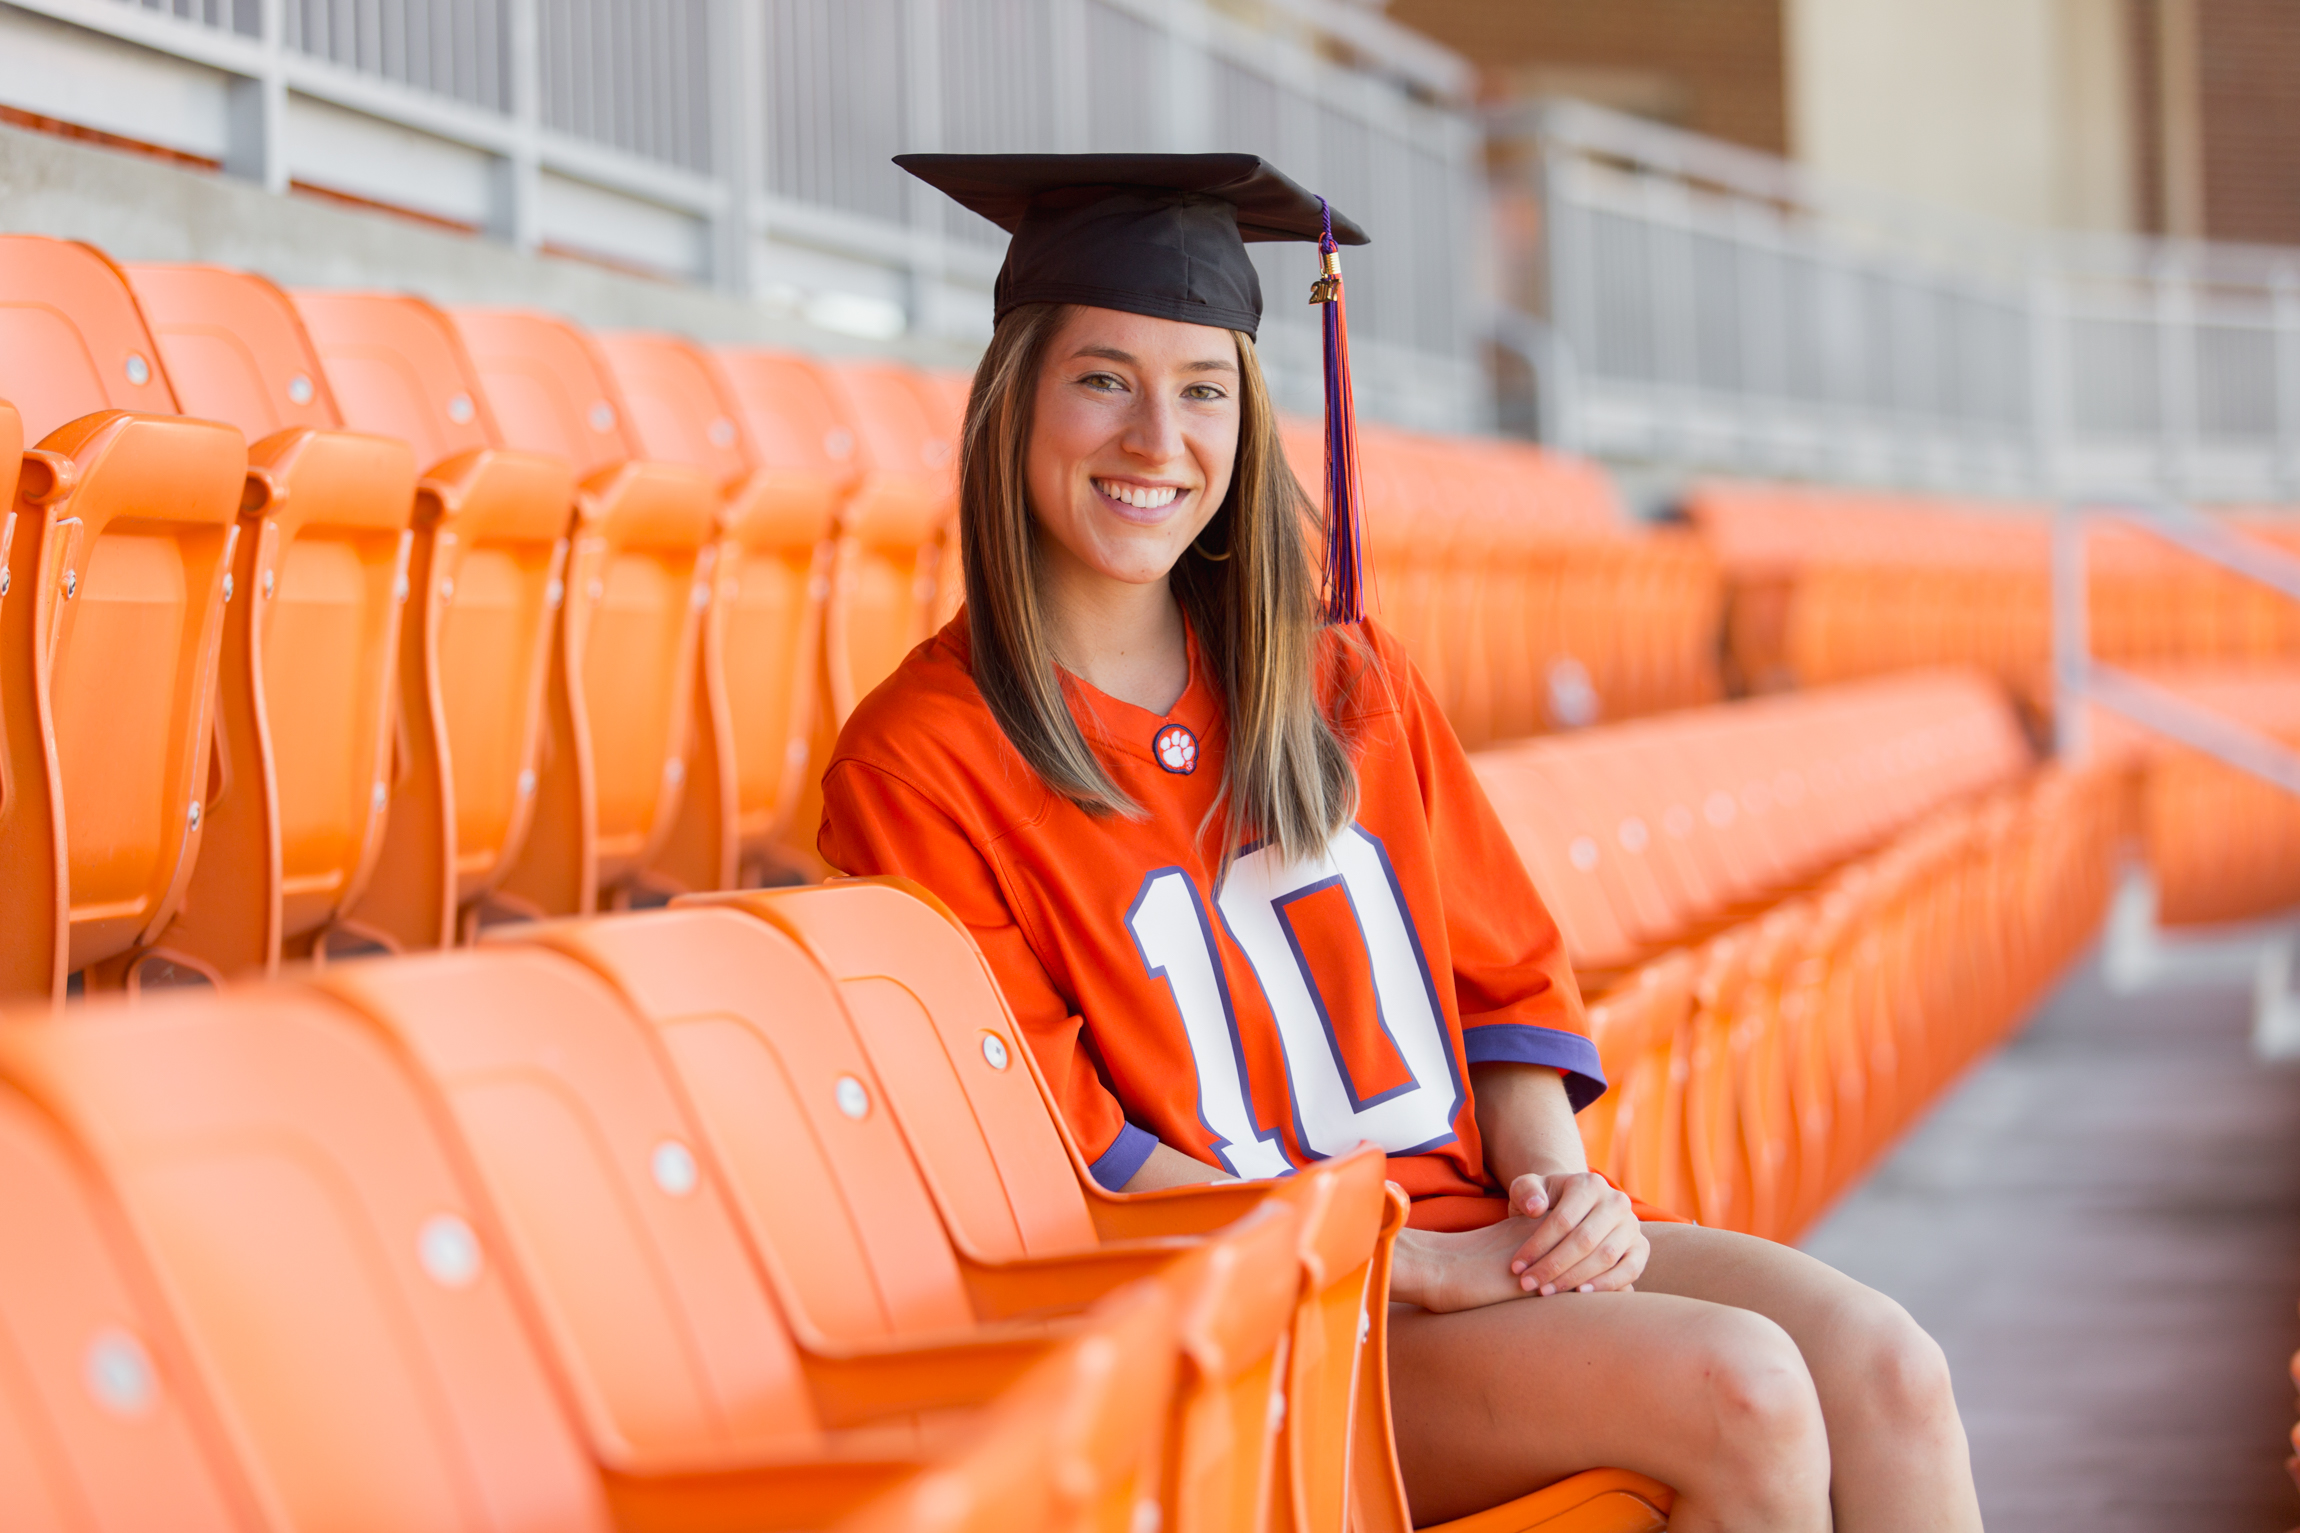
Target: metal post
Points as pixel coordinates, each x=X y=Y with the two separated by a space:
x=1189 y=92
x=2176 y=375
x=2071 y=635
x=738 y=137
x=256 y=107
x=2284 y=294
x=1066 y=26
x=1566 y=298
x=2048 y=396
x=515 y=217
x=922 y=78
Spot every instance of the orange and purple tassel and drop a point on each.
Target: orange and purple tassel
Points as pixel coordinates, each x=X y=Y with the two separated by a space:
x=1345 y=572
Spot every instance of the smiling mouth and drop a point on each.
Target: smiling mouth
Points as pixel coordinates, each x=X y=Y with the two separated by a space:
x=1142 y=497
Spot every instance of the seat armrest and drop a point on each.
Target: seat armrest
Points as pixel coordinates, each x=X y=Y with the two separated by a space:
x=1171 y=1211
x=1041 y=1286
x=808 y=1494
x=854 y=1386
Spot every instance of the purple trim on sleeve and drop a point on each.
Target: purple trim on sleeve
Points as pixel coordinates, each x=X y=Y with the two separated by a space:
x=1124 y=1157
x=1570 y=1054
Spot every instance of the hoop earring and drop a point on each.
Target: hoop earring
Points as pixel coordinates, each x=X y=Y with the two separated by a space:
x=1209 y=558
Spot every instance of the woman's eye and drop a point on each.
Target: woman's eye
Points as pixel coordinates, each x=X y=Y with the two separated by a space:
x=1204 y=391
x=1106 y=382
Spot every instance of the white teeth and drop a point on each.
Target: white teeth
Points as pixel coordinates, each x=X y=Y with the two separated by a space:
x=1147 y=497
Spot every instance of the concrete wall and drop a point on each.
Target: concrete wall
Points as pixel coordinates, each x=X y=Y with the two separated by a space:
x=140 y=209
x=2018 y=110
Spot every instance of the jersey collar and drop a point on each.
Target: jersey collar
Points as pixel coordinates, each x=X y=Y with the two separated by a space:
x=1112 y=722
x=1129 y=730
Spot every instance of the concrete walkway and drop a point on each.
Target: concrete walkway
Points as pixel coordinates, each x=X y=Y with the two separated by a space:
x=2102 y=1228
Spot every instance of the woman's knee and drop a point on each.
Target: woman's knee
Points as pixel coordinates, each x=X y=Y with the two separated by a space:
x=1900 y=1372
x=1750 y=1383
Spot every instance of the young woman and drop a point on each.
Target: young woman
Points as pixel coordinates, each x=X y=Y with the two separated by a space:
x=1251 y=908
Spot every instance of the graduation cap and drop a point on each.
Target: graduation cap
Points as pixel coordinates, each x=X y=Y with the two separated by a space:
x=1165 y=235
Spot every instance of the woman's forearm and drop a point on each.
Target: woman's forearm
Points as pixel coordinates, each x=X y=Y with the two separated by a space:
x=1169 y=1167
x=1526 y=1122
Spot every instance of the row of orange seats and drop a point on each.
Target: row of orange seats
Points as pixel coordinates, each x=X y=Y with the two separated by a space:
x=1798 y=918
x=2222 y=843
x=337 y=616
x=747 y=1213
x=1833 y=584
x=1651 y=834
x=1760 y=1074
x=1522 y=593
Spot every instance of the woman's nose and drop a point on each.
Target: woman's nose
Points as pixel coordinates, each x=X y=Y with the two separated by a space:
x=1154 y=431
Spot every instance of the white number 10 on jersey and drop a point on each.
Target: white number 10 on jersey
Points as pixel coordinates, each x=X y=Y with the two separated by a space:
x=1177 y=943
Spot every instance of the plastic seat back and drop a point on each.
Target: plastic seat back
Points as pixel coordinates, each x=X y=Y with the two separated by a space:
x=1238 y=1302
x=487 y=571
x=110 y=652
x=945 y=392
x=799 y=435
x=762 y=639
x=312 y=657
x=616 y=1223
x=344 y=1297
x=883 y=588
x=11 y=461
x=1073 y=1447
x=939 y=1037
x=1342 y=1206
x=102 y=1421
x=638 y=581
x=395 y=367
x=791 y=1111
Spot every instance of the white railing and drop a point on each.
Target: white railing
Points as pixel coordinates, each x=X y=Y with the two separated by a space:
x=1711 y=307
x=745 y=143
x=2082 y=682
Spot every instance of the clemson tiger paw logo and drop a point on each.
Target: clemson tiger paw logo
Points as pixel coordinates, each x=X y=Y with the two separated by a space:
x=1176 y=749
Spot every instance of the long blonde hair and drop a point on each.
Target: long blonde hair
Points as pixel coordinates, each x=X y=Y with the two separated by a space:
x=1287 y=775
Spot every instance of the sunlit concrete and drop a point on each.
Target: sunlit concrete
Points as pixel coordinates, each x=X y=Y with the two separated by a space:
x=2102 y=1227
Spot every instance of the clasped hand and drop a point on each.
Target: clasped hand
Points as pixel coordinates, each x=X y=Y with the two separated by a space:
x=1567 y=1232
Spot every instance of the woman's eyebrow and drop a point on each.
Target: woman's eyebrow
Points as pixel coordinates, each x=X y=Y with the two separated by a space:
x=1114 y=354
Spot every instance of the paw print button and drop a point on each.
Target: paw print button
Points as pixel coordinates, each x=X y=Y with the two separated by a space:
x=1176 y=749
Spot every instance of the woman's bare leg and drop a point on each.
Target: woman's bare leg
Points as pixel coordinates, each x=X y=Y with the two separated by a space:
x=1896 y=1445
x=1494 y=1402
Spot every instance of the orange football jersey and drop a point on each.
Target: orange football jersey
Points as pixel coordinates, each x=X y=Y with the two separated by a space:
x=1258 y=1020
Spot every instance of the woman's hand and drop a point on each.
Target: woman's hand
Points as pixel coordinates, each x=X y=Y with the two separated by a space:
x=1583 y=1237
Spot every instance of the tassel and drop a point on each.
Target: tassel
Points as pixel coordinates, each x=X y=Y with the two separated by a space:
x=1345 y=541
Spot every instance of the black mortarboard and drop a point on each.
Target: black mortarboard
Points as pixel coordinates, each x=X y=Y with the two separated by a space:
x=1157 y=234
x=1165 y=235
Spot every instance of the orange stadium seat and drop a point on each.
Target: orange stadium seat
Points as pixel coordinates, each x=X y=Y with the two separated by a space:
x=795 y=425
x=342 y=1298
x=621 y=740
x=1005 y=1174
x=884 y=582
x=762 y=634
x=126 y=518
x=103 y=1420
x=1075 y=1447
x=619 y=1225
x=308 y=683
x=946 y=392
x=803 y=1130
x=840 y=1211
x=486 y=576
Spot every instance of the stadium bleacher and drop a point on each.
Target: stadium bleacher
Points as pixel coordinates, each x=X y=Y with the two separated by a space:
x=340 y=622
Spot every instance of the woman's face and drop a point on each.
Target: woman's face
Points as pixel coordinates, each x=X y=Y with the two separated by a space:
x=1134 y=433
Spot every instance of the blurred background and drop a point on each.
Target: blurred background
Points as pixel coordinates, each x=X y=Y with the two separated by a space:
x=2017 y=246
